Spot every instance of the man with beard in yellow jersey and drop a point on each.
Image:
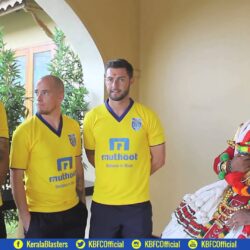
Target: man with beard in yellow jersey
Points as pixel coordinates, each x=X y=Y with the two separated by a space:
x=4 y=160
x=46 y=150
x=125 y=143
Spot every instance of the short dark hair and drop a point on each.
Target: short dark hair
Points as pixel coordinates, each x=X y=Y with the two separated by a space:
x=120 y=63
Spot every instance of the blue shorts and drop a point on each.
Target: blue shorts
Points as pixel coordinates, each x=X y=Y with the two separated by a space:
x=2 y=225
x=121 y=221
x=70 y=223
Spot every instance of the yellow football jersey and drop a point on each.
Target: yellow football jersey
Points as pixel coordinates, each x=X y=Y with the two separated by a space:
x=4 y=132
x=48 y=158
x=122 y=152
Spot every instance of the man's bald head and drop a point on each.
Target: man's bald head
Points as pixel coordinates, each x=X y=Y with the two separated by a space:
x=50 y=94
x=56 y=81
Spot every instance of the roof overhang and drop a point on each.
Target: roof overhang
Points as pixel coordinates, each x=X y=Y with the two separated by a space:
x=7 y=6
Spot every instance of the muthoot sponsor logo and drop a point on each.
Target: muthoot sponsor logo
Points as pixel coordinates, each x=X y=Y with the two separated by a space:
x=122 y=146
x=62 y=177
x=64 y=166
x=119 y=157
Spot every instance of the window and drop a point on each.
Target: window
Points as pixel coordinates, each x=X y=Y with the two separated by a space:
x=33 y=64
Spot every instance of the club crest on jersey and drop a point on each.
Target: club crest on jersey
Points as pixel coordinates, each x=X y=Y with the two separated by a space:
x=136 y=123
x=72 y=139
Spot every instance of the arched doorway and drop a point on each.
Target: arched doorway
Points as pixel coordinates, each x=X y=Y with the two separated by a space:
x=75 y=31
x=79 y=37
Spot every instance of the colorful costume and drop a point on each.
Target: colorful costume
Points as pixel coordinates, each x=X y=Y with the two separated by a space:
x=205 y=213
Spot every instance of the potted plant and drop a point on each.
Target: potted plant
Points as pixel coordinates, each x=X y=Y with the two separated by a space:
x=67 y=66
x=12 y=94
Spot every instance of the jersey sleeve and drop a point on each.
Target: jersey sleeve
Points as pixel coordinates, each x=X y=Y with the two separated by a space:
x=19 y=152
x=78 y=140
x=4 y=131
x=88 y=136
x=155 y=131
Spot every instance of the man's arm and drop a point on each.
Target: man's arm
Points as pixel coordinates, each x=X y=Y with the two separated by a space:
x=157 y=157
x=80 y=188
x=4 y=159
x=19 y=195
x=91 y=156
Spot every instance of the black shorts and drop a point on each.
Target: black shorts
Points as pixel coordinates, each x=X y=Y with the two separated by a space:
x=123 y=221
x=2 y=225
x=70 y=223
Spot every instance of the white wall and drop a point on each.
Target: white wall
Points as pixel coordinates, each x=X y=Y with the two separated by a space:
x=195 y=61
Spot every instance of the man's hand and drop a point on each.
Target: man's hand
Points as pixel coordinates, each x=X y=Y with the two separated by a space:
x=19 y=195
x=241 y=163
x=239 y=218
x=26 y=221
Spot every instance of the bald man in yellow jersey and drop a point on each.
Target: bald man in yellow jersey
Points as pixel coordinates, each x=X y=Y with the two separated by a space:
x=46 y=150
x=4 y=160
x=125 y=142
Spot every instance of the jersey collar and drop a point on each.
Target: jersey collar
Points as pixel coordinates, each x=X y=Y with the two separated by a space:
x=58 y=131
x=118 y=118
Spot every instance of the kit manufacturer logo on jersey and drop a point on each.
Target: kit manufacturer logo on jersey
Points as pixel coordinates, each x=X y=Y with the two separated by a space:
x=72 y=139
x=136 y=123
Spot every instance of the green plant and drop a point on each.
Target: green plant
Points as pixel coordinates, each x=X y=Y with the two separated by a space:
x=12 y=94
x=67 y=66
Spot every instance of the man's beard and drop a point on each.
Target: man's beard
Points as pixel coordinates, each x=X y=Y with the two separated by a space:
x=43 y=112
x=119 y=98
